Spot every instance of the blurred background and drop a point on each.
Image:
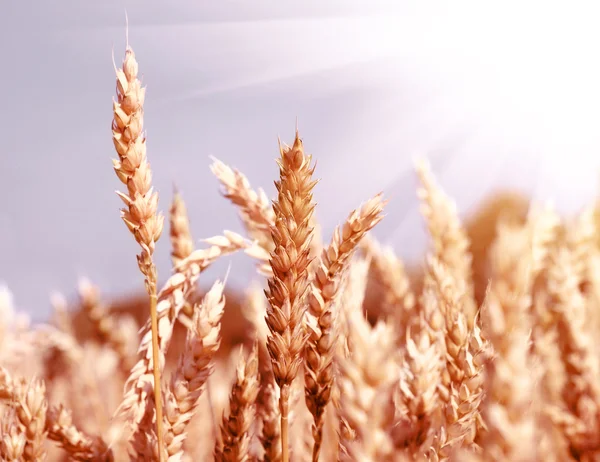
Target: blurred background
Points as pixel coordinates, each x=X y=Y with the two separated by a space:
x=496 y=97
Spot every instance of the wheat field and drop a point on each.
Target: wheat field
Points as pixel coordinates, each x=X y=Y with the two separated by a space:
x=337 y=351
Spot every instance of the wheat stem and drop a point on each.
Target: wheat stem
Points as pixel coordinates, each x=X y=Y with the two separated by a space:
x=156 y=373
x=284 y=409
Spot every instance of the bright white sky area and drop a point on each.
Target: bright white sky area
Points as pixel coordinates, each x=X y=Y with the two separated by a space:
x=495 y=96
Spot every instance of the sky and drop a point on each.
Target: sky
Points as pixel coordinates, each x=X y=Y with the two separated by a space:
x=496 y=97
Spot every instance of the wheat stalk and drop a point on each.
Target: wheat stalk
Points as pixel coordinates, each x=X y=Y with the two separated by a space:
x=140 y=214
x=289 y=261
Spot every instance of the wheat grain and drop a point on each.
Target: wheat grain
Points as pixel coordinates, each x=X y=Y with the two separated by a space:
x=12 y=442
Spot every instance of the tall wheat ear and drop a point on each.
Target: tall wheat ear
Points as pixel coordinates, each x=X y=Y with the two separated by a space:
x=290 y=262
x=141 y=202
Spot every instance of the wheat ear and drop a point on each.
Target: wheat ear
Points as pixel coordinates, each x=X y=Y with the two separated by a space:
x=194 y=367
x=37 y=422
x=236 y=431
x=581 y=393
x=77 y=444
x=31 y=411
x=463 y=378
x=366 y=392
x=450 y=241
x=105 y=324
x=255 y=211
x=510 y=385
x=289 y=261
x=182 y=244
x=351 y=301
x=320 y=348
x=269 y=415
x=140 y=214
x=254 y=207
x=388 y=269
x=417 y=394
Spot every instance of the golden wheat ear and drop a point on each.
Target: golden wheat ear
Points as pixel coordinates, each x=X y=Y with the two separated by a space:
x=396 y=297
x=254 y=207
x=366 y=408
x=236 y=429
x=193 y=370
x=140 y=213
x=12 y=441
x=450 y=242
x=182 y=243
x=320 y=348
x=290 y=261
x=106 y=326
x=510 y=383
